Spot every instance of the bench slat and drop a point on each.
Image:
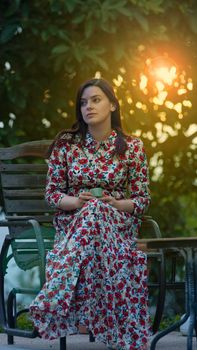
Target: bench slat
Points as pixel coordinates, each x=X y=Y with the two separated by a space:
x=22 y=181
x=23 y=167
x=29 y=247
x=30 y=193
x=32 y=148
x=26 y=206
x=40 y=218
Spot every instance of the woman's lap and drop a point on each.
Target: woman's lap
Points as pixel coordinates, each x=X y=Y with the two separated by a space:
x=97 y=277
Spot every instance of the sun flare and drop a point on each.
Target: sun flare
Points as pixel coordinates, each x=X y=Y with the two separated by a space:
x=165 y=74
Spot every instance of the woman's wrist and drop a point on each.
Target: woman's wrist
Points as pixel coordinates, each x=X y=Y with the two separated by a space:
x=69 y=203
x=124 y=205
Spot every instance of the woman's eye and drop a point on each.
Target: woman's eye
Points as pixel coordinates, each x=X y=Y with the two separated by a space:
x=83 y=103
x=96 y=99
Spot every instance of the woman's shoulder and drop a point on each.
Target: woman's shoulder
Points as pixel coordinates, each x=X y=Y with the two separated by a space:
x=67 y=137
x=133 y=141
x=135 y=146
x=63 y=141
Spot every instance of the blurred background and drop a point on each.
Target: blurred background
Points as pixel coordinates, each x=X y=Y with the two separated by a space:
x=146 y=49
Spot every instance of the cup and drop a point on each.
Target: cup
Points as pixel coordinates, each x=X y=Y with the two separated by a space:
x=97 y=192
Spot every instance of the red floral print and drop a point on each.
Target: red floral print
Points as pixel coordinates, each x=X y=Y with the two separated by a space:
x=95 y=275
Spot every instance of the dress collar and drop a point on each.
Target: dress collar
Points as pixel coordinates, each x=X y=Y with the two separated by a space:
x=90 y=141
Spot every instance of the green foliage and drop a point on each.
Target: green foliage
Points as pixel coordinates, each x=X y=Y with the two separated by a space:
x=49 y=47
x=24 y=322
x=169 y=321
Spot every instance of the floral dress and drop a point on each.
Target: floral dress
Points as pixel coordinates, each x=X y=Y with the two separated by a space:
x=95 y=275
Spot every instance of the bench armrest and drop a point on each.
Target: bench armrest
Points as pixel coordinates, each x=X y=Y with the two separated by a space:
x=38 y=235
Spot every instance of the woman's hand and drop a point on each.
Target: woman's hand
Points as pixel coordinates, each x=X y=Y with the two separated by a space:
x=83 y=198
x=110 y=200
x=120 y=204
x=72 y=203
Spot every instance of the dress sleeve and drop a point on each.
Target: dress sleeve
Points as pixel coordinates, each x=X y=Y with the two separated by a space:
x=56 y=181
x=138 y=179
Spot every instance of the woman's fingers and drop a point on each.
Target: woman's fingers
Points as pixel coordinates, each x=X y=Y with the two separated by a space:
x=85 y=196
x=110 y=200
x=106 y=198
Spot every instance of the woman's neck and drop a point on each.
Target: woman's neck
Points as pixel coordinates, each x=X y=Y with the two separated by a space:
x=99 y=134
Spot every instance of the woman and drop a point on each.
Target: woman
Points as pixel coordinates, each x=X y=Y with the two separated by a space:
x=95 y=275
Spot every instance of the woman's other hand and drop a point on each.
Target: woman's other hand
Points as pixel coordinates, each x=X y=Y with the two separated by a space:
x=110 y=200
x=120 y=204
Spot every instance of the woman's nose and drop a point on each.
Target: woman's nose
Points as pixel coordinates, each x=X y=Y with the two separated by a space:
x=89 y=105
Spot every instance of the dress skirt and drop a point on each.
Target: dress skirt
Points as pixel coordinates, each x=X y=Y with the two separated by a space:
x=97 y=277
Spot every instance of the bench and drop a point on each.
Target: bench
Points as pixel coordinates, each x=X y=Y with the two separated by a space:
x=29 y=219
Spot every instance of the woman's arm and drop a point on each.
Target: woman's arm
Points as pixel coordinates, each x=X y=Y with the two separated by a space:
x=72 y=203
x=138 y=182
x=56 y=181
x=56 y=184
x=138 y=178
x=120 y=204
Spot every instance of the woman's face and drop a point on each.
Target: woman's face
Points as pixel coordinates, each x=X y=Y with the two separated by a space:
x=96 y=108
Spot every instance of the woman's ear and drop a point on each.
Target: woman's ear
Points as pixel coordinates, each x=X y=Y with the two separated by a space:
x=113 y=108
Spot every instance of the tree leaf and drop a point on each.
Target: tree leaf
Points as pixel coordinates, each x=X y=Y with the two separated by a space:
x=45 y=35
x=13 y=7
x=78 y=19
x=89 y=28
x=109 y=27
x=119 y=50
x=63 y=34
x=59 y=63
x=60 y=49
x=8 y=32
x=78 y=53
x=94 y=56
x=102 y=63
x=124 y=11
x=55 y=6
x=193 y=22
x=70 y=5
x=142 y=20
x=29 y=59
x=21 y=102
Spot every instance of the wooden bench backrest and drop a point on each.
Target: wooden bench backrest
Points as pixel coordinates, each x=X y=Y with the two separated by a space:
x=23 y=180
x=23 y=176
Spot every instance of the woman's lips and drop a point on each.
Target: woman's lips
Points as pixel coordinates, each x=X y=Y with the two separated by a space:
x=90 y=114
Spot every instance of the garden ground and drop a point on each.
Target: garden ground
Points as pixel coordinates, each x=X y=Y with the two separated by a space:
x=174 y=341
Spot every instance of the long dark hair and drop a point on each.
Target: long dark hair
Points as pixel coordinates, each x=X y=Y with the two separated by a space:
x=80 y=127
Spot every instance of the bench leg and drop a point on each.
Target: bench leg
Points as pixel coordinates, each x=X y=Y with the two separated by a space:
x=91 y=337
x=161 y=295
x=10 y=340
x=11 y=312
x=3 y=267
x=63 y=343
